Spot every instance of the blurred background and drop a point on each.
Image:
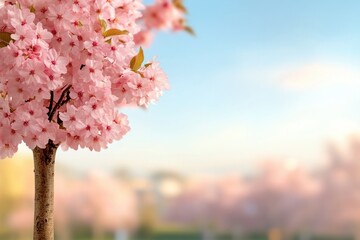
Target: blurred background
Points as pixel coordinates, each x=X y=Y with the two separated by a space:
x=259 y=137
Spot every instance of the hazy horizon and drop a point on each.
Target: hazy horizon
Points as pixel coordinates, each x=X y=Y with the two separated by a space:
x=260 y=80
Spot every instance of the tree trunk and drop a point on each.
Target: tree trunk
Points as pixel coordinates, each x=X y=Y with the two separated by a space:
x=44 y=162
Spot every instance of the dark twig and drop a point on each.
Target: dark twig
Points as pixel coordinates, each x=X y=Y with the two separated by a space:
x=61 y=101
x=67 y=99
x=51 y=102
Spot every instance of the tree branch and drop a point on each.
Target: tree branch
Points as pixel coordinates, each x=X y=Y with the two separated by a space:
x=60 y=102
x=51 y=102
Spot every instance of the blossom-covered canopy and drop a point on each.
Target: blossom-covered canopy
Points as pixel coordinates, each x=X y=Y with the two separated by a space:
x=68 y=66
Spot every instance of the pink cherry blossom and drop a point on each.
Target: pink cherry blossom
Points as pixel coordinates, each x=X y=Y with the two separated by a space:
x=104 y=9
x=33 y=72
x=42 y=36
x=56 y=62
x=71 y=118
x=24 y=18
x=23 y=36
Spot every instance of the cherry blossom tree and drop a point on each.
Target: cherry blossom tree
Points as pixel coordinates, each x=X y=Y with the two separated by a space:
x=105 y=204
x=277 y=199
x=70 y=66
x=280 y=188
x=337 y=206
x=204 y=203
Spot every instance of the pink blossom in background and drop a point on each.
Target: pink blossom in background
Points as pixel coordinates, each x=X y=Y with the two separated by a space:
x=21 y=220
x=98 y=200
x=101 y=201
x=164 y=14
x=144 y=38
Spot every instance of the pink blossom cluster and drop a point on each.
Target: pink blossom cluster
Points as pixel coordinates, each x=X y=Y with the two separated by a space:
x=162 y=15
x=69 y=67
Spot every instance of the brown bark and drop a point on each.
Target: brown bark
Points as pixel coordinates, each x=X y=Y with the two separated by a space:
x=44 y=162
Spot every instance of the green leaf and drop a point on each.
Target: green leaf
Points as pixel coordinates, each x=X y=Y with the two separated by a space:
x=137 y=60
x=189 y=30
x=5 y=39
x=32 y=9
x=103 y=25
x=147 y=65
x=114 y=32
x=180 y=5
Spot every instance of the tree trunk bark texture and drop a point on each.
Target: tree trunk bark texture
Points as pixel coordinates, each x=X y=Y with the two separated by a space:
x=44 y=162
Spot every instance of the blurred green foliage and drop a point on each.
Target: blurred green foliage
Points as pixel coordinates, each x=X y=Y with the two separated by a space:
x=187 y=236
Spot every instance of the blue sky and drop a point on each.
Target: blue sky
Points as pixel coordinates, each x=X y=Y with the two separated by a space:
x=261 y=79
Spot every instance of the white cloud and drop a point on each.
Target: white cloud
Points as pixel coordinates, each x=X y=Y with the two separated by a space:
x=317 y=74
